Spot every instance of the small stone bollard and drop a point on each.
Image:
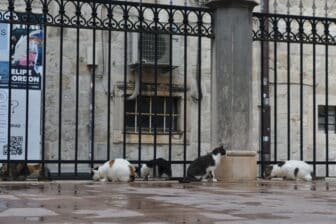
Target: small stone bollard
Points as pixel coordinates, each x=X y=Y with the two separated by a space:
x=237 y=166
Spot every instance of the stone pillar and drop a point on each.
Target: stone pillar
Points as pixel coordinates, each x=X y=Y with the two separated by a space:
x=231 y=102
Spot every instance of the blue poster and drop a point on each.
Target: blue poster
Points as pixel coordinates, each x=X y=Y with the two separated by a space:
x=4 y=71
x=26 y=58
x=3 y=39
x=4 y=49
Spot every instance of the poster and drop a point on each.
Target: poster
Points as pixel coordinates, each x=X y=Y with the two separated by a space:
x=25 y=73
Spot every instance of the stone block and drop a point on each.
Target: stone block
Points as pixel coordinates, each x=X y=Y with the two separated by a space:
x=237 y=166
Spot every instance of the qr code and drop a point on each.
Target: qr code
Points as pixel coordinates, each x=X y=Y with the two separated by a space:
x=16 y=145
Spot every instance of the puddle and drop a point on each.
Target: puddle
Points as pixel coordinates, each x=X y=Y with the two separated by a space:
x=108 y=213
x=222 y=216
x=34 y=219
x=3 y=205
x=27 y=212
x=262 y=216
x=252 y=203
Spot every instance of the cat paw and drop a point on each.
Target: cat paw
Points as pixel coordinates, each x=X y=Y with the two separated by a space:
x=308 y=178
x=214 y=180
x=204 y=180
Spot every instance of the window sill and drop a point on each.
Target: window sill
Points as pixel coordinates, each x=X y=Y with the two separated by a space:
x=148 y=138
x=324 y=132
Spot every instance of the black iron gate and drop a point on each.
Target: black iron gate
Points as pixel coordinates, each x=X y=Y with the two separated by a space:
x=297 y=100
x=111 y=81
x=116 y=79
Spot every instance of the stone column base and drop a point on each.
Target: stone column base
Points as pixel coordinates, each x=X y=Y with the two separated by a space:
x=237 y=166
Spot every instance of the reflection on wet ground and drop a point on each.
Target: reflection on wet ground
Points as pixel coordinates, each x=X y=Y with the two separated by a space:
x=168 y=202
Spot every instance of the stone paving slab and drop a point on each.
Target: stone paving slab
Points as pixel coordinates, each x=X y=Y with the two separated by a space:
x=159 y=202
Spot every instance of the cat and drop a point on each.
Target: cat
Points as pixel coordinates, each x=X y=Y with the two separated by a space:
x=161 y=166
x=290 y=169
x=117 y=170
x=39 y=172
x=203 y=167
x=21 y=171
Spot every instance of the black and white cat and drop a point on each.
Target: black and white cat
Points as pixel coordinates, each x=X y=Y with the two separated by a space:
x=291 y=170
x=203 y=167
x=162 y=167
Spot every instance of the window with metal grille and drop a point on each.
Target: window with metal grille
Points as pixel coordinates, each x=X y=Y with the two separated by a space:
x=150 y=112
x=331 y=118
x=200 y=2
x=148 y=46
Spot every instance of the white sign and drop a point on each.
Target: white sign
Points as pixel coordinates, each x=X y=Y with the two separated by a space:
x=26 y=73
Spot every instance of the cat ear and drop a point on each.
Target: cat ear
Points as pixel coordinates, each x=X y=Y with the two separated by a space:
x=281 y=163
x=94 y=170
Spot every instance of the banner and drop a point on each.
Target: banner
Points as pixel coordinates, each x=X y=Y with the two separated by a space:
x=25 y=73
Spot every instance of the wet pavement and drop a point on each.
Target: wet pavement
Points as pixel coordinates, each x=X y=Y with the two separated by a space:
x=159 y=202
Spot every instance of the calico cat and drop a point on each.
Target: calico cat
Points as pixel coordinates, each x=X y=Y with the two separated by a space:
x=203 y=168
x=161 y=166
x=117 y=170
x=22 y=171
x=290 y=169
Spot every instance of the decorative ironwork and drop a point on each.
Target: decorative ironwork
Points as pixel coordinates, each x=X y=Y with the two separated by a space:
x=297 y=29
x=120 y=17
x=113 y=15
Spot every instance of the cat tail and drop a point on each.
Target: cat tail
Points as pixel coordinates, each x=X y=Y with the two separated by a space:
x=186 y=179
x=175 y=178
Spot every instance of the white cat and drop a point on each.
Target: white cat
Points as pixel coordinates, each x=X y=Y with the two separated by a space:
x=118 y=170
x=291 y=169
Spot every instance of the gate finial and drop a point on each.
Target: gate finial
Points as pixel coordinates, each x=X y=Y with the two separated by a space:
x=326 y=8
x=301 y=7
x=275 y=6
x=314 y=8
x=288 y=7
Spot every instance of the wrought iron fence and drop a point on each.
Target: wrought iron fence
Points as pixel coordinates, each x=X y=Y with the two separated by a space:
x=101 y=97
x=297 y=95
x=91 y=57
x=118 y=16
